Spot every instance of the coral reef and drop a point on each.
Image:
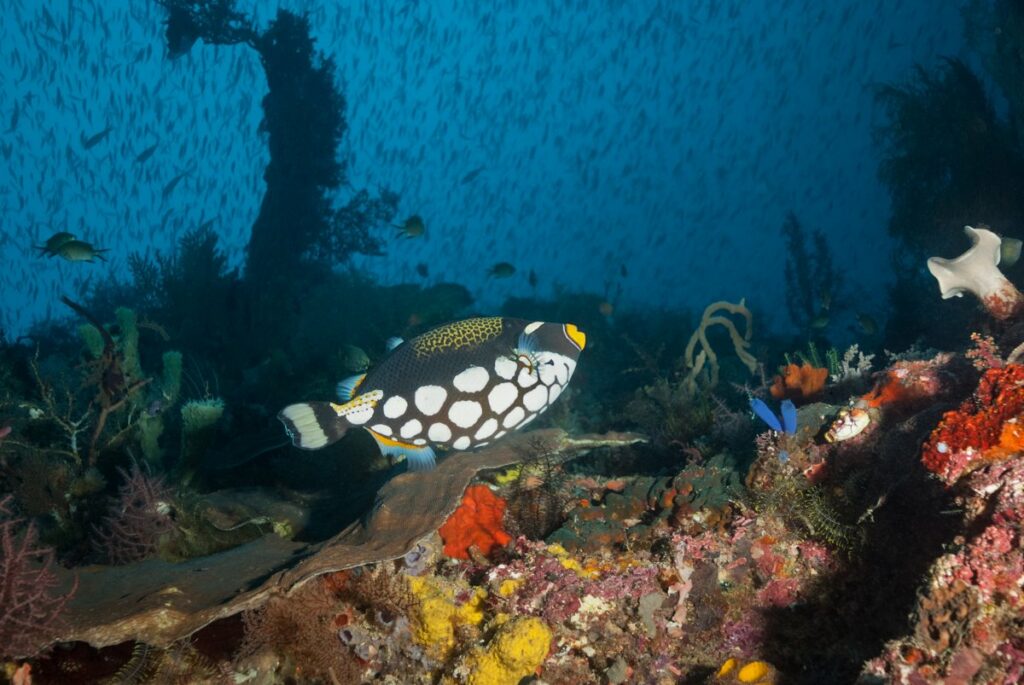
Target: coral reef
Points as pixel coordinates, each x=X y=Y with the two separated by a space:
x=967 y=620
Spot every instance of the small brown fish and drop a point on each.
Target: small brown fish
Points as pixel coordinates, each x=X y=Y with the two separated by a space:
x=501 y=270
x=54 y=242
x=96 y=138
x=79 y=251
x=820 y=321
x=1009 y=251
x=412 y=227
x=867 y=323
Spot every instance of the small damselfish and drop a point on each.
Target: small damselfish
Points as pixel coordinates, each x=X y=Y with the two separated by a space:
x=458 y=386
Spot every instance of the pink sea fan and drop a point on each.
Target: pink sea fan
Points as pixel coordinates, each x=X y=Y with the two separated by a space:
x=30 y=611
x=136 y=520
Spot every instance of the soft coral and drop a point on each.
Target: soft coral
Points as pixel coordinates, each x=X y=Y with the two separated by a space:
x=29 y=609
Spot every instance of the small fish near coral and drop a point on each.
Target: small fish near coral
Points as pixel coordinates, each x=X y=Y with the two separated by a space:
x=459 y=386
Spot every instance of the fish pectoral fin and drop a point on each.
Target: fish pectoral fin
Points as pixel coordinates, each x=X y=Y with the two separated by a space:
x=393 y=342
x=346 y=389
x=419 y=457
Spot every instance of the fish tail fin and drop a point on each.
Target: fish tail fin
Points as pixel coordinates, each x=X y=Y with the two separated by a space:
x=312 y=425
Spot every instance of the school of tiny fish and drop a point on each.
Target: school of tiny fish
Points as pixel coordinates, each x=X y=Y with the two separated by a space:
x=659 y=133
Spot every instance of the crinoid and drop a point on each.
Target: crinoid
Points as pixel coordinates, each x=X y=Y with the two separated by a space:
x=537 y=499
x=812 y=508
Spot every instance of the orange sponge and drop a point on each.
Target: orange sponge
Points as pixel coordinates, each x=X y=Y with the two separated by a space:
x=799 y=382
x=478 y=522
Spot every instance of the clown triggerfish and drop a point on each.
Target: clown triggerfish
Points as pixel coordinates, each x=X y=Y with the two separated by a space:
x=458 y=386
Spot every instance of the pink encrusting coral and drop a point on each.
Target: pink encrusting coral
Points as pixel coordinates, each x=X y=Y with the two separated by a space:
x=968 y=616
x=30 y=605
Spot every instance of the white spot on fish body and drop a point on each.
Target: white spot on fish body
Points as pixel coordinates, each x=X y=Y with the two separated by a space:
x=395 y=406
x=381 y=429
x=462 y=443
x=439 y=432
x=505 y=368
x=530 y=328
x=465 y=413
x=487 y=429
x=536 y=398
x=513 y=418
x=411 y=428
x=501 y=397
x=430 y=398
x=527 y=378
x=473 y=379
x=360 y=415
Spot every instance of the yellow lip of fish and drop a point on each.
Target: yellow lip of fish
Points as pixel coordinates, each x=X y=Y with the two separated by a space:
x=576 y=335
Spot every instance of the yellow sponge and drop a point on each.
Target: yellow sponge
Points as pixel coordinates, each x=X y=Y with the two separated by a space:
x=516 y=651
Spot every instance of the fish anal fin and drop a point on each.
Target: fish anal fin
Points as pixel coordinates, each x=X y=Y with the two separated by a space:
x=419 y=457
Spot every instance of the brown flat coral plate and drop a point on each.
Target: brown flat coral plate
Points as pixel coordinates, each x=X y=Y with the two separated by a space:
x=157 y=602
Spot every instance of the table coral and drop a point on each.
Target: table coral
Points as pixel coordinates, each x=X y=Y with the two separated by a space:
x=477 y=522
x=516 y=651
x=966 y=437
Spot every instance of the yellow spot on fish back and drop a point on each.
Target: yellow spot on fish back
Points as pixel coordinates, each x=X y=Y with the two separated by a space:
x=458 y=335
x=369 y=399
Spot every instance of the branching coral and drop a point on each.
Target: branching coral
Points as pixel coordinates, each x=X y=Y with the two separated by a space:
x=29 y=609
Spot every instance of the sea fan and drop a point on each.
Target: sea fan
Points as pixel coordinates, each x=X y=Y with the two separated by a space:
x=29 y=609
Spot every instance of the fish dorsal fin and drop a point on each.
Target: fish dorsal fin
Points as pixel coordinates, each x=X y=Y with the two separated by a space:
x=392 y=343
x=346 y=389
x=419 y=457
